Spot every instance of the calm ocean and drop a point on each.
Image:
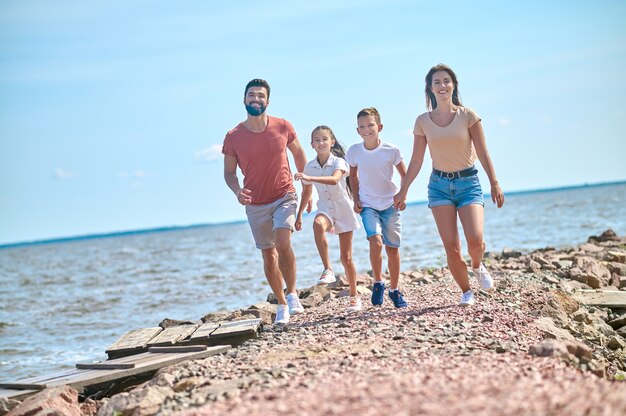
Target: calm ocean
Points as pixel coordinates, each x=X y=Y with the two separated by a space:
x=66 y=302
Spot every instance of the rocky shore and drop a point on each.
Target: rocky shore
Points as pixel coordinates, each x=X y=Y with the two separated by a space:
x=529 y=348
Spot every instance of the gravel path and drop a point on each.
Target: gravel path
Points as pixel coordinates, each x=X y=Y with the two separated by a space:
x=433 y=358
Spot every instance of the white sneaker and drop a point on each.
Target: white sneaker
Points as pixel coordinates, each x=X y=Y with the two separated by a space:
x=484 y=278
x=354 y=304
x=467 y=299
x=295 y=307
x=328 y=276
x=282 y=315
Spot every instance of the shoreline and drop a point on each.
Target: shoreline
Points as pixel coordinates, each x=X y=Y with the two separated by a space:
x=530 y=339
x=113 y=234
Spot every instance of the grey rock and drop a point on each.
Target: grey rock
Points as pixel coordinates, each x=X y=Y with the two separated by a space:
x=142 y=401
x=508 y=253
x=550 y=330
x=7 y=404
x=616 y=342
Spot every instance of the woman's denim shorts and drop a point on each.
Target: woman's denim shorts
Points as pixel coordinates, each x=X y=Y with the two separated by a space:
x=458 y=192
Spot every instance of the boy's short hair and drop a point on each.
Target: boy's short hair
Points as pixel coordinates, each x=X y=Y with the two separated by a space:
x=257 y=82
x=369 y=111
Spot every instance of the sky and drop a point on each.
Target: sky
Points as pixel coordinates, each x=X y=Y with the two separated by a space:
x=112 y=113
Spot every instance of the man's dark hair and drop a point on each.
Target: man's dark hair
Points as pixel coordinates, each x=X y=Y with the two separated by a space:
x=257 y=82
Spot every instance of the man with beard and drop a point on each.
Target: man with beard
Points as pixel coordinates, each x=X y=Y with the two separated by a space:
x=258 y=146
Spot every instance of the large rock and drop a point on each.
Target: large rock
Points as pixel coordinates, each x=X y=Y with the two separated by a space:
x=569 y=350
x=616 y=343
x=264 y=311
x=591 y=272
x=550 y=330
x=168 y=323
x=617 y=268
x=56 y=401
x=618 y=322
x=508 y=253
x=617 y=256
x=608 y=235
x=7 y=404
x=139 y=402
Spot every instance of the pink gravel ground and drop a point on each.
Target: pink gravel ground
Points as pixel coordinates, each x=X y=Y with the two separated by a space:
x=432 y=358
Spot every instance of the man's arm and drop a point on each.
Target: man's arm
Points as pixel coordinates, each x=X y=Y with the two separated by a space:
x=299 y=157
x=230 y=176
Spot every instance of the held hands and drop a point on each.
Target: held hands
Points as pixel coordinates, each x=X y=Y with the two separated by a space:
x=299 y=175
x=298 y=224
x=357 y=207
x=244 y=196
x=497 y=196
x=399 y=201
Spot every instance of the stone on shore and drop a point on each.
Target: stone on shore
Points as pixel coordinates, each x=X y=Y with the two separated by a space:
x=56 y=401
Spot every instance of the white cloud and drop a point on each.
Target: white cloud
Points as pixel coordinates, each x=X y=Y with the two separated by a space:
x=61 y=173
x=138 y=173
x=209 y=154
x=504 y=122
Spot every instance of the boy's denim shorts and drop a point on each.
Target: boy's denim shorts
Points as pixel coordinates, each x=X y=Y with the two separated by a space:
x=458 y=192
x=387 y=223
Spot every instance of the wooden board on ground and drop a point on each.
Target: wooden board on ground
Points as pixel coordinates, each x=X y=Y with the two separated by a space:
x=172 y=335
x=203 y=332
x=237 y=329
x=22 y=386
x=132 y=342
x=81 y=379
x=606 y=298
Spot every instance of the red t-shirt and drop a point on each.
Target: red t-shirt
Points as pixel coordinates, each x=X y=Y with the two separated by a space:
x=262 y=158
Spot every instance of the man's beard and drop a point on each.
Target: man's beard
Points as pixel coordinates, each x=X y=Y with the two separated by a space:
x=255 y=111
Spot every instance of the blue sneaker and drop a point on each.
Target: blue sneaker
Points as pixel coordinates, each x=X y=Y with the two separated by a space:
x=378 y=293
x=398 y=300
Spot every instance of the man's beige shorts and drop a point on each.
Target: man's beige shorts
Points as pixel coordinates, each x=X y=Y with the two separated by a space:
x=264 y=219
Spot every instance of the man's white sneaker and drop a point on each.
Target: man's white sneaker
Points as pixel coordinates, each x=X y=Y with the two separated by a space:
x=354 y=304
x=328 y=276
x=484 y=278
x=295 y=307
x=282 y=315
x=467 y=299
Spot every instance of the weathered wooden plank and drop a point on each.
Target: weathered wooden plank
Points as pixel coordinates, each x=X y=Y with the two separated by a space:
x=606 y=298
x=204 y=331
x=250 y=327
x=144 y=363
x=178 y=349
x=255 y=321
x=104 y=366
x=22 y=386
x=172 y=335
x=135 y=340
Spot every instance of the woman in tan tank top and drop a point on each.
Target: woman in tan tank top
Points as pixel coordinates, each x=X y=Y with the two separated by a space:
x=455 y=139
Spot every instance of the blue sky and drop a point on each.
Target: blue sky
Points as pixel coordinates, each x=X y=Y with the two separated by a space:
x=112 y=113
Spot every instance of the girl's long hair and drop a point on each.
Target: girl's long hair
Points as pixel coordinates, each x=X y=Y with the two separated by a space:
x=337 y=149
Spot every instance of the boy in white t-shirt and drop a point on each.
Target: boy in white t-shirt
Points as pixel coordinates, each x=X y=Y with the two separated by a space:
x=371 y=172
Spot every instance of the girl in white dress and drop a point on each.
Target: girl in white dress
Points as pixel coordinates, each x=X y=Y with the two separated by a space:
x=328 y=172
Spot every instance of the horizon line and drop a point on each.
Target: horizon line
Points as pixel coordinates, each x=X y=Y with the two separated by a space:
x=187 y=227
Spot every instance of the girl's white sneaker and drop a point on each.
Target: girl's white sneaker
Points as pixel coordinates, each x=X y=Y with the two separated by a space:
x=484 y=278
x=467 y=299
x=354 y=304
